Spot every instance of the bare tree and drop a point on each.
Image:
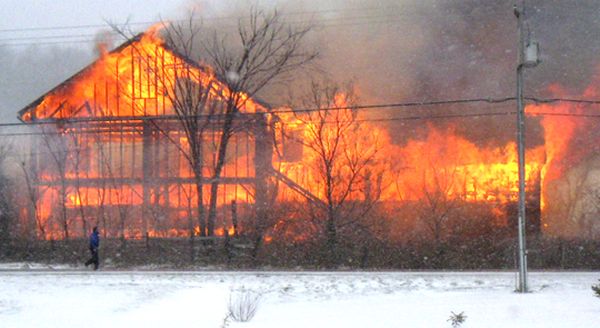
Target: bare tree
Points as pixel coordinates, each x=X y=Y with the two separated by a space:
x=265 y=48
x=195 y=99
x=109 y=186
x=438 y=203
x=7 y=209
x=346 y=171
x=58 y=149
x=78 y=170
x=34 y=192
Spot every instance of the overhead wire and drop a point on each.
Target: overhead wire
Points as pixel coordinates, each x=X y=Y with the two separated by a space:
x=390 y=119
x=297 y=111
x=320 y=23
x=212 y=18
x=385 y=106
x=562 y=99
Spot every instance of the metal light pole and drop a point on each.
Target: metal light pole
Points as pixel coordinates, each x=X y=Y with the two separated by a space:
x=528 y=57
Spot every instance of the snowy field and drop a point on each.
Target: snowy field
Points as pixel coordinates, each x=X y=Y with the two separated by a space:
x=60 y=297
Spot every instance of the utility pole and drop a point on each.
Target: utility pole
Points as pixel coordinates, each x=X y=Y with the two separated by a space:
x=528 y=57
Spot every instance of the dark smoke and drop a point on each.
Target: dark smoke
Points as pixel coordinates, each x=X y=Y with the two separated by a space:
x=412 y=50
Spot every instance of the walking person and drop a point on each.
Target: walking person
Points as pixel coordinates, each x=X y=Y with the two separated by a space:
x=94 y=244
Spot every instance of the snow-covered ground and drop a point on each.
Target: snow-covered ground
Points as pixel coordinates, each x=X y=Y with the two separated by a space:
x=38 y=296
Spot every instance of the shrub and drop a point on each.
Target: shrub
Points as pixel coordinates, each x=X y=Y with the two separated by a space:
x=457 y=319
x=242 y=307
x=596 y=289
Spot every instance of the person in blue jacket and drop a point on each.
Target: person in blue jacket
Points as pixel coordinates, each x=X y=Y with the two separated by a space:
x=94 y=245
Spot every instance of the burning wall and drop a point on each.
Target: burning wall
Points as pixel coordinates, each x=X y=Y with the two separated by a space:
x=117 y=152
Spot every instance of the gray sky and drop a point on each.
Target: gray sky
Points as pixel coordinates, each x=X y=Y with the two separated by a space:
x=42 y=42
x=19 y=14
x=73 y=22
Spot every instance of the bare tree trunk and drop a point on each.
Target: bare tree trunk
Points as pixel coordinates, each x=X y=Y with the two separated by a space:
x=200 y=205
x=60 y=156
x=331 y=240
x=191 y=228
x=63 y=205
x=33 y=197
x=214 y=186
x=77 y=172
x=330 y=229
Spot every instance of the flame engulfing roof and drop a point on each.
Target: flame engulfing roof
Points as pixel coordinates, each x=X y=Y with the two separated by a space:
x=136 y=79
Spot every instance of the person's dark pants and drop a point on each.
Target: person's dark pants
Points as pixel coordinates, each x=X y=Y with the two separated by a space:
x=94 y=260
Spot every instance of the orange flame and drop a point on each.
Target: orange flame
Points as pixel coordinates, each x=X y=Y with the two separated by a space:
x=136 y=79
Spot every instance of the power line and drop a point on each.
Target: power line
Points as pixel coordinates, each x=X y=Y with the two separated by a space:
x=385 y=106
x=322 y=23
x=570 y=100
x=389 y=119
x=24 y=44
x=564 y=114
x=302 y=110
x=65 y=36
x=388 y=106
x=217 y=18
x=440 y=102
x=405 y=104
x=372 y=120
x=434 y=117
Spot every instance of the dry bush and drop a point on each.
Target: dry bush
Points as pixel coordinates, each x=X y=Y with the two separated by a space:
x=457 y=319
x=243 y=305
x=596 y=289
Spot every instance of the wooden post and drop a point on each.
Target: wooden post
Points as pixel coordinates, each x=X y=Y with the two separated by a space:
x=33 y=172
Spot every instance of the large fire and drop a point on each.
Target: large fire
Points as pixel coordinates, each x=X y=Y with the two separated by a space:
x=133 y=80
x=97 y=170
x=105 y=175
x=570 y=177
x=442 y=161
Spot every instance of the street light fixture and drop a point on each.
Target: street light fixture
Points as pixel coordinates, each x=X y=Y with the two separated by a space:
x=528 y=57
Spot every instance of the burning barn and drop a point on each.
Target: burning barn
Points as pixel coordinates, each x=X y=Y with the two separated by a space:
x=134 y=142
x=145 y=142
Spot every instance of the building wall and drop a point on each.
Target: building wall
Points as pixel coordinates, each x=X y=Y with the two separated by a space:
x=133 y=178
